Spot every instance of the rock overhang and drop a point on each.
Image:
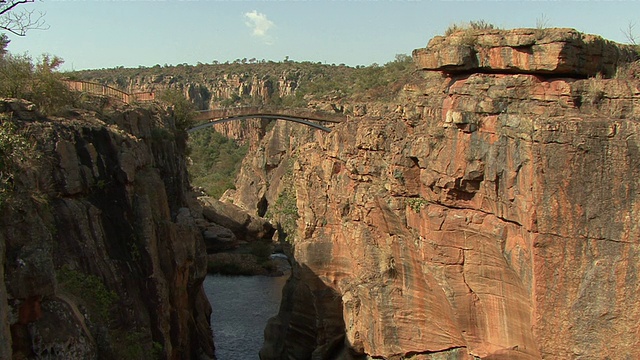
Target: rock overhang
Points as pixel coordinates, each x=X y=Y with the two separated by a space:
x=549 y=52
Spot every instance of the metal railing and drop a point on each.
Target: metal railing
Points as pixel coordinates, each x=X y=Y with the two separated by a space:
x=105 y=90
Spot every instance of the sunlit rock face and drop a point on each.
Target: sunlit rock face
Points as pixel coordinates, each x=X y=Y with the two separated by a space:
x=99 y=255
x=489 y=215
x=534 y=51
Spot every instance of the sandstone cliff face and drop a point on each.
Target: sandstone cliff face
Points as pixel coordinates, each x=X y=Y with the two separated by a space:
x=490 y=215
x=266 y=172
x=99 y=255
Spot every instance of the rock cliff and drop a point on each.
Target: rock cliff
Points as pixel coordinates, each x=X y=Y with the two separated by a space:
x=490 y=214
x=211 y=86
x=99 y=254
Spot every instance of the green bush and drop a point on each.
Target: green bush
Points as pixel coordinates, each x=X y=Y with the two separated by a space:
x=183 y=109
x=216 y=161
x=285 y=213
x=48 y=91
x=90 y=289
x=135 y=344
x=416 y=204
x=39 y=82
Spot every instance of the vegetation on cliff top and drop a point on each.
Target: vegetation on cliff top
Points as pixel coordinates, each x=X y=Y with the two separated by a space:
x=38 y=82
x=316 y=80
x=183 y=109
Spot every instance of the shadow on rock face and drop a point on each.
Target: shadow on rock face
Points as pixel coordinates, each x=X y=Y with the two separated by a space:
x=310 y=323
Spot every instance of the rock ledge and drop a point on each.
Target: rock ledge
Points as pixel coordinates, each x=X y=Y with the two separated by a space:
x=562 y=52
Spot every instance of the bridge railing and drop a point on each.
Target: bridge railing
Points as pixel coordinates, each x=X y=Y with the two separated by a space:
x=105 y=90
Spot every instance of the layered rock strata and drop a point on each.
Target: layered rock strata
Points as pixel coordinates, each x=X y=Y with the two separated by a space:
x=534 y=51
x=491 y=215
x=100 y=256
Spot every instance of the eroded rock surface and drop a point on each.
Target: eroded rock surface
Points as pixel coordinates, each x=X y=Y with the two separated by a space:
x=489 y=215
x=536 y=51
x=99 y=256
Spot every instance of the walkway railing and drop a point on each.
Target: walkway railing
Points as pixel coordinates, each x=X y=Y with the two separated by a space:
x=105 y=90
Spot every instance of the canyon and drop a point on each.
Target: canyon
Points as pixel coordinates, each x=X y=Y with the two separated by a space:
x=487 y=210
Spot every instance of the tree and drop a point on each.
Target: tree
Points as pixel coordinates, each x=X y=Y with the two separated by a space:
x=630 y=33
x=4 y=42
x=18 y=22
x=183 y=109
x=38 y=82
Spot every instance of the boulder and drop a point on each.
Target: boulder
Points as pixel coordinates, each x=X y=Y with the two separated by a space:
x=244 y=226
x=218 y=238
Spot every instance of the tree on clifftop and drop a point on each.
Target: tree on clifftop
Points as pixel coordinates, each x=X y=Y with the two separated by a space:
x=18 y=21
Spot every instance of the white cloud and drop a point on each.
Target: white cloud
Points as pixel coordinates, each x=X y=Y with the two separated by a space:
x=259 y=24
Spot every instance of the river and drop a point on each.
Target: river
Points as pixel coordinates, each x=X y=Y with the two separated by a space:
x=241 y=307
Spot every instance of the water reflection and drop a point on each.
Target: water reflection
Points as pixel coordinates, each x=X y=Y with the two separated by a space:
x=241 y=307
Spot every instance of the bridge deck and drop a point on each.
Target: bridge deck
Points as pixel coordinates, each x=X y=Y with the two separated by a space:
x=262 y=111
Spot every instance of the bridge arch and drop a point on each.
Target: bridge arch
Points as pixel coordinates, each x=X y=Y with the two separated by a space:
x=262 y=116
x=307 y=117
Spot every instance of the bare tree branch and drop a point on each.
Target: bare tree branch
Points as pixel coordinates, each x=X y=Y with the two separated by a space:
x=18 y=22
x=629 y=33
x=8 y=6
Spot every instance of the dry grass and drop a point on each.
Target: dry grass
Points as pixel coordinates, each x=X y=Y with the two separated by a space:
x=471 y=25
x=628 y=71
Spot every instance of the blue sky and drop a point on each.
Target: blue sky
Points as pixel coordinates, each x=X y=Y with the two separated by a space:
x=101 y=34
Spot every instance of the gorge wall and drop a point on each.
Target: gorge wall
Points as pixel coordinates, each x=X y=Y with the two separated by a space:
x=491 y=213
x=99 y=254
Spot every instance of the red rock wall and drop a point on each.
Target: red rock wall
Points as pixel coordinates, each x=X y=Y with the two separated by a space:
x=489 y=216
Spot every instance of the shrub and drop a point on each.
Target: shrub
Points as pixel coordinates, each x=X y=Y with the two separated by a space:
x=471 y=25
x=39 y=82
x=16 y=153
x=216 y=161
x=183 y=109
x=481 y=25
x=90 y=289
x=416 y=204
x=285 y=213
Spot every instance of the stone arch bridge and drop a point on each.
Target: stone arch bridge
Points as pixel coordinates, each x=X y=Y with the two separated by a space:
x=307 y=117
